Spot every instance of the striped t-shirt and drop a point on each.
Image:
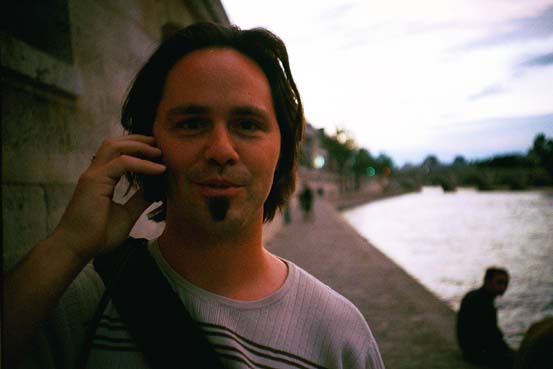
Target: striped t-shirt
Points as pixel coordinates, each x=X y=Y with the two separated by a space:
x=305 y=324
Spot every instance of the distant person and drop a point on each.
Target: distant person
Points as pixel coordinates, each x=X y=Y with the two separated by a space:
x=287 y=214
x=306 y=201
x=536 y=349
x=320 y=191
x=479 y=337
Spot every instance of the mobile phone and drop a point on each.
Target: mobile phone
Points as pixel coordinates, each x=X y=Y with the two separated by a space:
x=153 y=185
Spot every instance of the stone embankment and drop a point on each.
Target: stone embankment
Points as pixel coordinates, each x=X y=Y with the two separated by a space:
x=349 y=200
x=413 y=328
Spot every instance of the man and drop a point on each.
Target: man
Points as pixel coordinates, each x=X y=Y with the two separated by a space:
x=479 y=337
x=215 y=122
x=306 y=202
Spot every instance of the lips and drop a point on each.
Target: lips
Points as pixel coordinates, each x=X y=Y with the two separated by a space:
x=218 y=183
x=218 y=187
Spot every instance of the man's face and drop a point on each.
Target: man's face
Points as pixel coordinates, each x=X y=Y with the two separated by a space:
x=498 y=284
x=219 y=136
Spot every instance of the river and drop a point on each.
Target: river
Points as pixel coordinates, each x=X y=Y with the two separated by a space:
x=447 y=240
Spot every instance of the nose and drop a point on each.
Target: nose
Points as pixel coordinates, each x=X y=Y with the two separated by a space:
x=220 y=148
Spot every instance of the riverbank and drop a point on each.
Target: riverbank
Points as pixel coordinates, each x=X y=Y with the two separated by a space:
x=353 y=199
x=413 y=328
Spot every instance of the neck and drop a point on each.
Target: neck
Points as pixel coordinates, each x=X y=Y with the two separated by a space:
x=492 y=294
x=231 y=264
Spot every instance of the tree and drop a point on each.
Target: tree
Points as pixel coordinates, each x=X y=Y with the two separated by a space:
x=431 y=162
x=339 y=150
x=543 y=150
x=361 y=164
x=459 y=161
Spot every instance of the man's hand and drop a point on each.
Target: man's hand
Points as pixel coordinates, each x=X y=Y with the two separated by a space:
x=93 y=223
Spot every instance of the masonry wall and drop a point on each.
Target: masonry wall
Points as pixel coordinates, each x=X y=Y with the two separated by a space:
x=60 y=99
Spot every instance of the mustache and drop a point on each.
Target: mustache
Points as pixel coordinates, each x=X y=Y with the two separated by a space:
x=238 y=176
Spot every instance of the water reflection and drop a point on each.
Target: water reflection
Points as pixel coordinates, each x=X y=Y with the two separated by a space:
x=446 y=241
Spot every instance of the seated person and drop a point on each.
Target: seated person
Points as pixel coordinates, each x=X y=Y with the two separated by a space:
x=479 y=337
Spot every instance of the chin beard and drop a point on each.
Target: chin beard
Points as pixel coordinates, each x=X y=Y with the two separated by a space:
x=218 y=208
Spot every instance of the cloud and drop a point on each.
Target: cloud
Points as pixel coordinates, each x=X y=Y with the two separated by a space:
x=479 y=139
x=487 y=91
x=538 y=61
x=338 y=11
x=521 y=29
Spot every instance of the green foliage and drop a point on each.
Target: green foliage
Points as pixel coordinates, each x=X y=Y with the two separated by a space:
x=338 y=152
x=383 y=161
x=514 y=171
x=542 y=150
x=447 y=183
x=507 y=161
x=459 y=161
x=361 y=163
x=342 y=151
x=431 y=162
x=363 y=160
x=515 y=182
x=483 y=183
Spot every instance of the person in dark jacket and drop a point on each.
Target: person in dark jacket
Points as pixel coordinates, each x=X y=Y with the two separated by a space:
x=306 y=202
x=478 y=334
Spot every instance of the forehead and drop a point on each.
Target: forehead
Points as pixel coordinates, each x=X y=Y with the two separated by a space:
x=215 y=75
x=500 y=277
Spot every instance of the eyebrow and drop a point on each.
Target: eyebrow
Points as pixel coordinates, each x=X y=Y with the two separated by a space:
x=188 y=109
x=193 y=109
x=250 y=110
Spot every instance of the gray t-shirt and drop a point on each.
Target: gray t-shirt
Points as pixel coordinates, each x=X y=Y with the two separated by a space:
x=304 y=324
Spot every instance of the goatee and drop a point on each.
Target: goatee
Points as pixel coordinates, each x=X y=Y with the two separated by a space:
x=218 y=207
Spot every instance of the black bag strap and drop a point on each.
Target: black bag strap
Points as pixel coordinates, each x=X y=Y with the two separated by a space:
x=154 y=314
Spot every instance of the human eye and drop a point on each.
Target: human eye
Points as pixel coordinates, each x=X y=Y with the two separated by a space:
x=247 y=125
x=191 y=125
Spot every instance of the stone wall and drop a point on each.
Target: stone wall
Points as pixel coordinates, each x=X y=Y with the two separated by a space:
x=56 y=110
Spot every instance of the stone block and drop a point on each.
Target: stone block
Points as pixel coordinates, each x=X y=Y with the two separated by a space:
x=24 y=221
x=36 y=131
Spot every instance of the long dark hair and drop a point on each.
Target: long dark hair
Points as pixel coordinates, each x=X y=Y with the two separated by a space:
x=260 y=45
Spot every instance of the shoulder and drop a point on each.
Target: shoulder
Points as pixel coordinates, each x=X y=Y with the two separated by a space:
x=330 y=303
x=471 y=296
x=475 y=301
x=335 y=320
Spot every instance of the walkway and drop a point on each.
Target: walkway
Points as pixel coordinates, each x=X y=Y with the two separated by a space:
x=413 y=328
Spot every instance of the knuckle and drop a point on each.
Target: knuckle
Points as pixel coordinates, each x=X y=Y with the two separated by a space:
x=109 y=142
x=126 y=159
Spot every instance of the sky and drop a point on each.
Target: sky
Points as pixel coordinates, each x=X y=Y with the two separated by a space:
x=412 y=78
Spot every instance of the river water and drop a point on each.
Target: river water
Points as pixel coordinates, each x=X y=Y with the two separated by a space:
x=447 y=240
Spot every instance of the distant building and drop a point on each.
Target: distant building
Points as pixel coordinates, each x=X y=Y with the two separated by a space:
x=313 y=154
x=314 y=164
x=66 y=66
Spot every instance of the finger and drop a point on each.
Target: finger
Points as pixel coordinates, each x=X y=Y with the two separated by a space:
x=108 y=142
x=113 y=149
x=125 y=163
x=136 y=137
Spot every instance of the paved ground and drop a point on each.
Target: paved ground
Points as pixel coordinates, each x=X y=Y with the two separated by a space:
x=413 y=328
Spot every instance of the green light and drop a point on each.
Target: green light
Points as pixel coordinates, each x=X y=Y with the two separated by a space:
x=371 y=171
